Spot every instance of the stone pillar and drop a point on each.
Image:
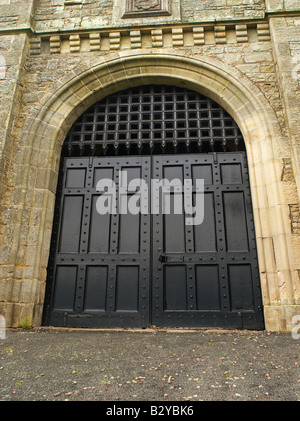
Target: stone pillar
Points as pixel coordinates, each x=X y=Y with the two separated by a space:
x=285 y=36
x=14 y=45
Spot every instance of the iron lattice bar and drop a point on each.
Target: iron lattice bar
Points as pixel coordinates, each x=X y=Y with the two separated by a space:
x=154 y=120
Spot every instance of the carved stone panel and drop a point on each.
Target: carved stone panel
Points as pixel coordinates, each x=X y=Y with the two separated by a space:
x=147 y=4
x=144 y=8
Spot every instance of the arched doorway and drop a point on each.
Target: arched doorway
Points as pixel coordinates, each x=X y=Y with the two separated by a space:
x=133 y=270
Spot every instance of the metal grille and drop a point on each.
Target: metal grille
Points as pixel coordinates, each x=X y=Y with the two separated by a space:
x=153 y=120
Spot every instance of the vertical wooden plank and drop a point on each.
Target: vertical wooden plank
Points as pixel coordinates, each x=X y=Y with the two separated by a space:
x=175 y=294
x=95 y=288
x=241 y=287
x=71 y=224
x=235 y=221
x=99 y=230
x=207 y=286
x=65 y=286
x=75 y=177
x=174 y=239
x=127 y=288
x=205 y=233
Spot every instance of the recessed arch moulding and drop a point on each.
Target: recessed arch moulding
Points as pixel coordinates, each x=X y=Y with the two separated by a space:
x=47 y=127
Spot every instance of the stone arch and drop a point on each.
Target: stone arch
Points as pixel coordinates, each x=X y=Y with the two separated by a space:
x=47 y=128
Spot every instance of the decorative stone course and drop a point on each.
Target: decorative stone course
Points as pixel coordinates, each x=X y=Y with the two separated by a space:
x=241 y=33
x=55 y=43
x=181 y=36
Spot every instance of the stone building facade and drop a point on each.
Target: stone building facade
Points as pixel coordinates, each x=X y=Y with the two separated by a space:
x=59 y=57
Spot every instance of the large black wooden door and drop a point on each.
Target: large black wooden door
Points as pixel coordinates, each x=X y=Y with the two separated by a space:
x=133 y=270
x=100 y=264
x=207 y=274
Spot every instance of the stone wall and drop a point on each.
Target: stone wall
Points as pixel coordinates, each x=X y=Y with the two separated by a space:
x=48 y=44
x=206 y=10
x=54 y=15
x=15 y=17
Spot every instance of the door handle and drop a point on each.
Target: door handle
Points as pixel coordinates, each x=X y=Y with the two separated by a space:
x=165 y=258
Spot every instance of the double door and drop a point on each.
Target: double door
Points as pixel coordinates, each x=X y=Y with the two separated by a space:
x=120 y=260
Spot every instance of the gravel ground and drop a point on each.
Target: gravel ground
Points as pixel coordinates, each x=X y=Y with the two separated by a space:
x=47 y=364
